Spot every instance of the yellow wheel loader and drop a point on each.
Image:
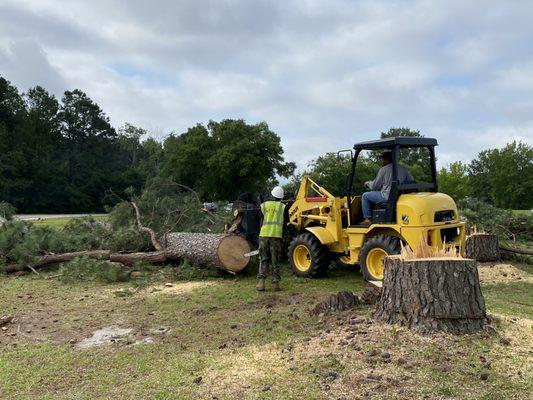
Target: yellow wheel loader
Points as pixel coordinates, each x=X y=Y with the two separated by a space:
x=329 y=226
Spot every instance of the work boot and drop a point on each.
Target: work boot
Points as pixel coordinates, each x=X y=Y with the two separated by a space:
x=366 y=221
x=260 y=285
x=275 y=286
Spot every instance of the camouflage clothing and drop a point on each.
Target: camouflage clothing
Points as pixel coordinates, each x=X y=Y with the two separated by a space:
x=270 y=253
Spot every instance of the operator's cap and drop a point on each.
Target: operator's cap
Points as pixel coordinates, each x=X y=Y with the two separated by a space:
x=387 y=154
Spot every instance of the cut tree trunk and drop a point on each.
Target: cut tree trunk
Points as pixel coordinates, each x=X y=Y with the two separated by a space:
x=482 y=247
x=432 y=294
x=222 y=251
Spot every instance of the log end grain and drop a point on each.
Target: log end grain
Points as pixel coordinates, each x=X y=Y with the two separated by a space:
x=231 y=253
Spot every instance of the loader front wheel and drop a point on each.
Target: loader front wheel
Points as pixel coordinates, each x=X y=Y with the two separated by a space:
x=308 y=257
x=373 y=255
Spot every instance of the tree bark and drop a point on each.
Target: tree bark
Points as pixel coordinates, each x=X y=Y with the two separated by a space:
x=208 y=249
x=432 y=294
x=371 y=294
x=482 y=247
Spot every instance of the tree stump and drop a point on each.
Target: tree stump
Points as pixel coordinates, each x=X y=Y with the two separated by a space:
x=482 y=247
x=226 y=252
x=432 y=294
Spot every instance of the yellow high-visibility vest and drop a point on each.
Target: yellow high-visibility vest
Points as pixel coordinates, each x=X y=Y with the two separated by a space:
x=272 y=219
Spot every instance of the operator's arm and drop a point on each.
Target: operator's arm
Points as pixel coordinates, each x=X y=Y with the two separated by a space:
x=377 y=183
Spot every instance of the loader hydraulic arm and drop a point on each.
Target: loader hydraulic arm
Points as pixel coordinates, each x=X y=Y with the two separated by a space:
x=309 y=201
x=307 y=183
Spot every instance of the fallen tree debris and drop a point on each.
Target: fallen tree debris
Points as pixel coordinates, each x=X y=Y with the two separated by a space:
x=340 y=301
x=153 y=236
x=528 y=252
x=226 y=252
x=7 y=320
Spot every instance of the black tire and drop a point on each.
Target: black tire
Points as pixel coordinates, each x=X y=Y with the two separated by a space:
x=318 y=256
x=389 y=244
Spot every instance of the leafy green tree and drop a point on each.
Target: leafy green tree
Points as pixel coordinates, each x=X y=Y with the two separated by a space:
x=332 y=173
x=453 y=180
x=13 y=182
x=64 y=157
x=91 y=144
x=41 y=135
x=223 y=159
x=504 y=176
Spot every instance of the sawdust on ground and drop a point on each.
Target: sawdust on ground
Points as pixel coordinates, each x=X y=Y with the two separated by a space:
x=502 y=273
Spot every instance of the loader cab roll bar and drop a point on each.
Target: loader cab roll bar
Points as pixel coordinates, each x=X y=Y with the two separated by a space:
x=394 y=144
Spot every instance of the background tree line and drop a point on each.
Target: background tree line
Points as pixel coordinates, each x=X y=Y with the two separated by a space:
x=64 y=156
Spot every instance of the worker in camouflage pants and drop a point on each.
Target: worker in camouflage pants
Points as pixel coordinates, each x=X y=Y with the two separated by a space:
x=270 y=239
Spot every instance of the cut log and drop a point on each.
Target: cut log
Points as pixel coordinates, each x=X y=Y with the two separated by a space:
x=221 y=251
x=482 y=247
x=432 y=294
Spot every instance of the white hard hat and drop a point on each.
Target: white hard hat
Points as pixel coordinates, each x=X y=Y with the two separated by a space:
x=278 y=192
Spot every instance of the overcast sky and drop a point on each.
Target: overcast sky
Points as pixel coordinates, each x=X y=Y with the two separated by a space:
x=323 y=74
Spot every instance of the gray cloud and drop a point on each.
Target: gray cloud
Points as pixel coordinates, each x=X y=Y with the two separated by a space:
x=323 y=74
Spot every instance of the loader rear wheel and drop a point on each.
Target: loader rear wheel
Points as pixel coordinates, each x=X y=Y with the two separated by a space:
x=308 y=257
x=373 y=255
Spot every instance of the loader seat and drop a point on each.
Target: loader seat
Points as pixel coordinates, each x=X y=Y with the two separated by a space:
x=379 y=212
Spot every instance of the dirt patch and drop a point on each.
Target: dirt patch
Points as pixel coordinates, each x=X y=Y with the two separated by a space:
x=113 y=335
x=490 y=273
x=106 y=335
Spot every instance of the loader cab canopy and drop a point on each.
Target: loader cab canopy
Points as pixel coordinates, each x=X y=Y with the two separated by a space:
x=401 y=147
x=388 y=143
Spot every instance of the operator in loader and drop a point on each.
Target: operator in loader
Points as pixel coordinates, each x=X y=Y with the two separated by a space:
x=380 y=187
x=271 y=238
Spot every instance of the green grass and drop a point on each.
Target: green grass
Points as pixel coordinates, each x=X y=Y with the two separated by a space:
x=61 y=222
x=239 y=340
x=522 y=212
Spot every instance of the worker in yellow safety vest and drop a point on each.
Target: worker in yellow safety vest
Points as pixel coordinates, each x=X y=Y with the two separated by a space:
x=270 y=239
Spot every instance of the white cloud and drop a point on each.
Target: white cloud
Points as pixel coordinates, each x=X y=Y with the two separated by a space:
x=322 y=74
